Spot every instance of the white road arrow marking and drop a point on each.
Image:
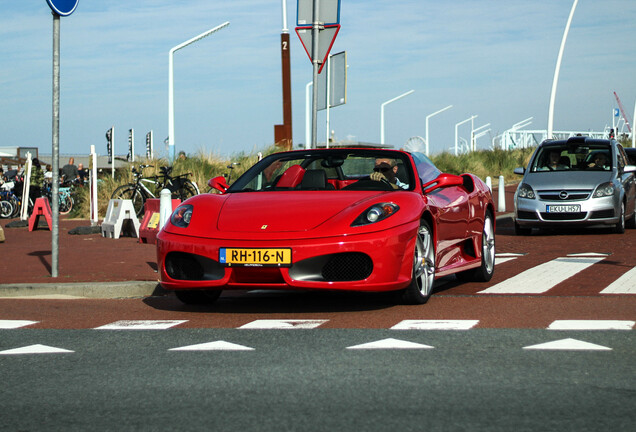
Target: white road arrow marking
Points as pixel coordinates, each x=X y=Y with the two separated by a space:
x=591 y=325
x=35 y=349
x=543 y=277
x=568 y=345
x=626 y=284
x=14 y=324
x=141 y=325
x=390 y=343
x=214 y=346
x=435 y=325
x=267 y=324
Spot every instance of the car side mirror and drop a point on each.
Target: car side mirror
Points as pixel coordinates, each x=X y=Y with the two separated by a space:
x=219 y=183
x=520 y=171
x=629 y=168
x=443 y=180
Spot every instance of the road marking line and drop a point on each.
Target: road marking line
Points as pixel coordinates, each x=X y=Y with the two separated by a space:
x=435 y=325
x=589 y=254
x=501 y=258
x=626 y=284
x=390 y=343
x=141 y=325
x=591 y=325
x=568 y=345
x=543 y=277
x=213 y=346
x=14 y=324
x=35 y=349
x=273 y=324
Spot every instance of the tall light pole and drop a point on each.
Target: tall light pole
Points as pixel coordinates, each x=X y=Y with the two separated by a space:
x=556 y=72
x=474 y=136
x=382 y=113
x=171 y=149
x=428 y=117
x=457 y=126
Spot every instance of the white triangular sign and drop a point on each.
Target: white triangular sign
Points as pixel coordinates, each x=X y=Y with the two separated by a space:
x=213 y=346
x=568 y=344
x=35 y=349
x=390 y=343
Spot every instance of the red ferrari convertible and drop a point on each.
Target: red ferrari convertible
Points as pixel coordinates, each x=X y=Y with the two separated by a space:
x=331 y=219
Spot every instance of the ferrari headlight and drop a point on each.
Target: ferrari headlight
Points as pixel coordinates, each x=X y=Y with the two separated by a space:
x=181 y=216
x=525 y=191
x=604 y=190
x=376 y=213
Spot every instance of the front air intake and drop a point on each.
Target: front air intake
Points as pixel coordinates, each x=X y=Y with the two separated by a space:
x=350 y=266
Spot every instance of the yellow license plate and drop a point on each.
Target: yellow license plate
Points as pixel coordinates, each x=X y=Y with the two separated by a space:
x=278 y=257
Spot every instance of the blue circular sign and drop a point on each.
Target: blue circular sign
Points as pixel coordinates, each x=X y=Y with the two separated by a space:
x=63 y=7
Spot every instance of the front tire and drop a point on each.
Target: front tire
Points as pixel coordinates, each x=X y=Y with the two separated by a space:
x=619 y=228
x=198 y=297
x=423 y=273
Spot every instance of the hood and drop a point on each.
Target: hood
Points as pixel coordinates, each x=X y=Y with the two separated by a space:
x=283 y=211
x=567 y=179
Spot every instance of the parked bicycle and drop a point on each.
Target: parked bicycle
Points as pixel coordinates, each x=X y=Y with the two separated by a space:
x=65 y=200
x=143 y=188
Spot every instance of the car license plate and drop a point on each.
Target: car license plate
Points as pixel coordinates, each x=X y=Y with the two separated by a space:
x=574 y=208
x=258 y=257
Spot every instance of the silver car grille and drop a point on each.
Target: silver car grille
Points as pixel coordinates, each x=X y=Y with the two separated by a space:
x=564 y=194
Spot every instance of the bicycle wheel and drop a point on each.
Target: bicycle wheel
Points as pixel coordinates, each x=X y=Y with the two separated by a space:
x=6 y=209
x=186 y=191
x=130 y=192
x=65 y=204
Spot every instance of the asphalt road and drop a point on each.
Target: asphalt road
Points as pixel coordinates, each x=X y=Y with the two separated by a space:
x=314 y=380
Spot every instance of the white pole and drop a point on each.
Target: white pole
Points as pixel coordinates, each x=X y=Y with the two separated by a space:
x=308 y=116
x=112 y=150
x=428 y=117
x=634 y=127
x=24 y=210
x=171 y=148
x=285 y=29
x=456 y=126
x=382 y=113
x=556 y=72
x=92 y=170
x=474 y=136
x=501 y=201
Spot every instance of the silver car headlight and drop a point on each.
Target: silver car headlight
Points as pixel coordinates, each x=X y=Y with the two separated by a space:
x=181 y=216
x=376 y=213
x=525 y=191
x=604 y=190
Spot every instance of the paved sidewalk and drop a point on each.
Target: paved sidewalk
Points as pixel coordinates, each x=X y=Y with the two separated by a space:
x=87 y=264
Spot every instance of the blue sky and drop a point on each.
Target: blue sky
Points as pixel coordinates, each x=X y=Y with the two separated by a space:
x=491 y=58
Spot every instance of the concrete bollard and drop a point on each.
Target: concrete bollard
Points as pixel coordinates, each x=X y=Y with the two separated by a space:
x=489 y=183
x=502 y=195
x=165 y=207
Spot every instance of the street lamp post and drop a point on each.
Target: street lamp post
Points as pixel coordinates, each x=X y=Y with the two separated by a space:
x=474 y=136
x=171 y=149
x=382 y=113
x=428 y=117
x=556 y=72
x=457 y=126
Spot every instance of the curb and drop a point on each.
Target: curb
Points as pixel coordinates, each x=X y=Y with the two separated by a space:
x=98 y=290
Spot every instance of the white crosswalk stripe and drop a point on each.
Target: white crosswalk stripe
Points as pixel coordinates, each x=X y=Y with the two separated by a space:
x=626 y=284
x=543 y=277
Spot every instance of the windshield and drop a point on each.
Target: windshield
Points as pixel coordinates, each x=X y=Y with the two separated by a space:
x=572 y=158
x=336 y=169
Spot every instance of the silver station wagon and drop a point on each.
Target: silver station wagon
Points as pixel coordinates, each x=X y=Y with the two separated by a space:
x=576 y=182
